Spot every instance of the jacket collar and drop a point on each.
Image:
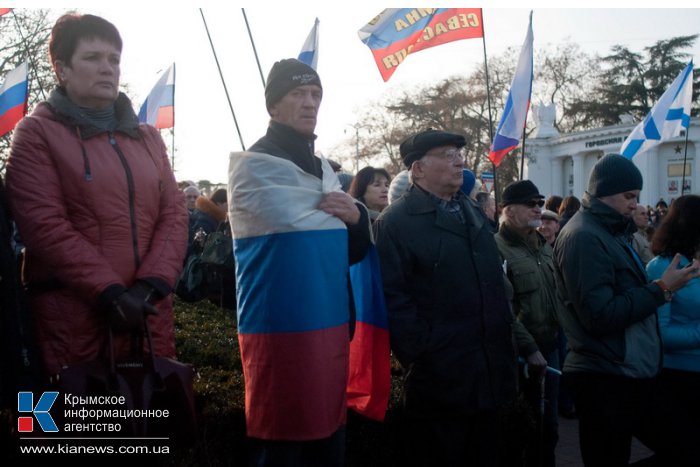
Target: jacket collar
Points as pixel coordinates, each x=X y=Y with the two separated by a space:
x=210 y=208
x=534 y=239
x=613 y=221
x=418 y=201
x=288 y=138
x=67 y=112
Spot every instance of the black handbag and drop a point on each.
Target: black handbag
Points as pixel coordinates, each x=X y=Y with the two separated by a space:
x=149 y=385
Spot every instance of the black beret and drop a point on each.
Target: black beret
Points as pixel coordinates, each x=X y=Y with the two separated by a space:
x=614 y=174
x=520 y=192
x=414 y=147
x=286 y=75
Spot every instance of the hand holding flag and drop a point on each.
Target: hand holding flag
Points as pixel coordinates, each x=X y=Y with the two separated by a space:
x=159 y=107
x=13 y=98
x=667 y=117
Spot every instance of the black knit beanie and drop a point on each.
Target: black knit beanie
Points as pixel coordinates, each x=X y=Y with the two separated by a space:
x=286 y=75
x=614 y=174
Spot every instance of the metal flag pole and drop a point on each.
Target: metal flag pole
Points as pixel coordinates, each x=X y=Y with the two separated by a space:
x=522 y=152
x=255 y=51
x=685 y=158
x=235 y=121
x=29 y=56
x=527 y=111
x=488 y=100
x=172 y=156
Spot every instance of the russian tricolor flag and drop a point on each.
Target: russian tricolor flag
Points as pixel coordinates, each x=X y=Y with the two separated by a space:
x=309 y=51
x=291 y=271
x=369 y=382
x=13 y=98
x=397 y=32
x=512 y=124
x=159 y=107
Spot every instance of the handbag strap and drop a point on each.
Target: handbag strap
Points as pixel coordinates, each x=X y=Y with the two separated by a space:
x=136 y=346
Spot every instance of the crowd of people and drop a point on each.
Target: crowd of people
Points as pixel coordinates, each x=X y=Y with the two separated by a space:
x=485 y=302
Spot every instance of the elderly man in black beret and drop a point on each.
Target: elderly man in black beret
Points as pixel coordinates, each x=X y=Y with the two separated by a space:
x=449 y=317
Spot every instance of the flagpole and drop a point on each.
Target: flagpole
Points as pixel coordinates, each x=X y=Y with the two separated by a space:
x=488 y=100
x=172 y=156
x=685 y=158
x=235 y=121
x=522 y=153
x=29 y=57
x=255 y=52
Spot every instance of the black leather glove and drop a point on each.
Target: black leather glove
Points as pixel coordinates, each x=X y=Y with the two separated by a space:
x=143 y=291
x=127 y=313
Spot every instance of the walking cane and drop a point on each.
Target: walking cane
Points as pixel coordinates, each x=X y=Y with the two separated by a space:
x=540 y=423
x=540 y=415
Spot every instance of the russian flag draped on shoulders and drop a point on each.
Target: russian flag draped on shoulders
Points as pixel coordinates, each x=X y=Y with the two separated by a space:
x=666 y=118
x=159 y=107
x=512 y=124
x=13 y=98
x=291 y=270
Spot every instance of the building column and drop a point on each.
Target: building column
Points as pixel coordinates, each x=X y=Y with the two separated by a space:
x=579 y=174
x=557 y=177
x=654 y=178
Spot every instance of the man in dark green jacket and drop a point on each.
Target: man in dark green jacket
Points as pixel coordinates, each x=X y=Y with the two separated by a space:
x=610 y=319
x=449 y=317
x=527 y=259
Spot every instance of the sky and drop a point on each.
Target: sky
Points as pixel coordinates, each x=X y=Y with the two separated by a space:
x=156 y=35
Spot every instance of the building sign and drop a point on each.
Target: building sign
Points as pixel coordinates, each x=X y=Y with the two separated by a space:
x=604 y=142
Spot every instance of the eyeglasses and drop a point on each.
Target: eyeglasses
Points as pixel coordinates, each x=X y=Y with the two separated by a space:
x=534 y=202
x=450 y=155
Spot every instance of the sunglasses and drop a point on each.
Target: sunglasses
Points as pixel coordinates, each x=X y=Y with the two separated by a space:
x=533 y=202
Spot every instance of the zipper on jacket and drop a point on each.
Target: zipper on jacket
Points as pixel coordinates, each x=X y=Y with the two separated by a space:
x=86 y=161
x=132 y=202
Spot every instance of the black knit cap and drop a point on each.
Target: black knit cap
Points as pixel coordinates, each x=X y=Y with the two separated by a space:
x=286 y=75
x=520 y=192
x=414 y=147
x=614 y=174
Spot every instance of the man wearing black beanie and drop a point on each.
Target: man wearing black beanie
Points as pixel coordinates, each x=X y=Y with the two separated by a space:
x=610 y=320
x=295 y=233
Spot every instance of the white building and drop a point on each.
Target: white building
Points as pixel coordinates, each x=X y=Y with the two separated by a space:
x=560 y=164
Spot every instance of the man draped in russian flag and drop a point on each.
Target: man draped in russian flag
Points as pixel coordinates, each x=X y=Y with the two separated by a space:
x=295 y=233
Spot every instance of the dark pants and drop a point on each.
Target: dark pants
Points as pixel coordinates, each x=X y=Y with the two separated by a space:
x=675 y=418
x=326 y=452
x=452 y=440
x=543 y=442
x=566 y=402
x=613 y=409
